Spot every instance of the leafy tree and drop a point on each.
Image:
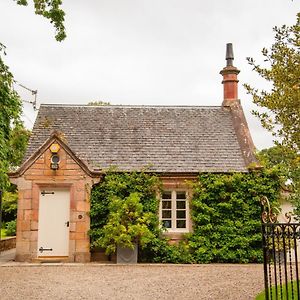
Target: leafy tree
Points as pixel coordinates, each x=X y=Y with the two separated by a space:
x=98 y=103
x=287 y=161
x=18 y=142
x=13 y=135
x=50 y=9
x=10 y=110
x=282 y=70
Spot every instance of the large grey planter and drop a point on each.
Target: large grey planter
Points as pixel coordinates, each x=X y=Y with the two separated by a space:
x=127 y=255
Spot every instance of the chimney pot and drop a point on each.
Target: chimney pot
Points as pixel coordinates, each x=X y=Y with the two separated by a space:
x=230 y=80
x=229 y=54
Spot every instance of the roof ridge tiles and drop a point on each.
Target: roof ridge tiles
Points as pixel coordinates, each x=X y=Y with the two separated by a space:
x=130 y=106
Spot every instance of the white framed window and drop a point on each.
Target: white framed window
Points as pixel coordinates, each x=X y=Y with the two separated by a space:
x=174 y=210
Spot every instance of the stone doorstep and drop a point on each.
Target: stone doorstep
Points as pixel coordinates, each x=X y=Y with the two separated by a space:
x=51 y=260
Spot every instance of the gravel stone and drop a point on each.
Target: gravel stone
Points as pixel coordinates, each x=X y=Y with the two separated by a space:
x=141 y=281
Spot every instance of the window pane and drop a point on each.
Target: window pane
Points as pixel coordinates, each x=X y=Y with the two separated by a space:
x=166 y=214
x=180 y=204
x=166 y=205
x=180 y=195
x=167 y=223
x=180 y=224
x=180 y=214
x=166 y=195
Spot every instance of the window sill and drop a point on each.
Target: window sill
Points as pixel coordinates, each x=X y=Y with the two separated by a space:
x=175 y=235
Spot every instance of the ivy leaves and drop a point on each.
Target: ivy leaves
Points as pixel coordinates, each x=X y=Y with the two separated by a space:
x=124 y=203
x=226 y=215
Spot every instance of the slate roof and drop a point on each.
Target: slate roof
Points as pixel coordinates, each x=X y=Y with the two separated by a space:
x=167 y=138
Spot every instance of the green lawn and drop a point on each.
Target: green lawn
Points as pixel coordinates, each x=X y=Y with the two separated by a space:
x=261 y=296
x=3 y=233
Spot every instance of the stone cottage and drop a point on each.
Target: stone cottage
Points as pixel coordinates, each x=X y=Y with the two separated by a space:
x=72 y=145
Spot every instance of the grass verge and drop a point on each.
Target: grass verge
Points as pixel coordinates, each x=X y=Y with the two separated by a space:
x=261 y=296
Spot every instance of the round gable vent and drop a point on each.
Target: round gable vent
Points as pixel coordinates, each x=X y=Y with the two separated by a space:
x=55 y=161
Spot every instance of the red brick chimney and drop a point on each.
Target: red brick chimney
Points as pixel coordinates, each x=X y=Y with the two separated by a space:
x=232 y=103
x=230 y=81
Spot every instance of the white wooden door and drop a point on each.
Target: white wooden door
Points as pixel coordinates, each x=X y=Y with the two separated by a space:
x=54 y=220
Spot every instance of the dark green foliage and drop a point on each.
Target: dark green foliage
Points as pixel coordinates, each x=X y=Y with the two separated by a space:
x=11 y=228
x=127 y=224
x=287 y=161
x=160 y=251
x=280 y=102
x=122 y=185
x=19 y=138
x=226 y=215
x=9 y=206
x=225 y=211
x=51 y=10
x=13 y=135
x=10 y=110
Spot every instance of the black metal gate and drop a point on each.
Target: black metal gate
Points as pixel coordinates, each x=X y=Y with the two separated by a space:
x=281 y=270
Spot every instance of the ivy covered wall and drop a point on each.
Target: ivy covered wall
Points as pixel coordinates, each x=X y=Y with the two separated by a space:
x=226 y=215
x=121 y=185
x=225 y=211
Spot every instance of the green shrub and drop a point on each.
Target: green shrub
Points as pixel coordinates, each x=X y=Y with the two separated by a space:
x=11 y=228
x=9 y=206
x=226 y=215
x=127 y=224
x=225 y=211
x=158 y=250
x=122 y=185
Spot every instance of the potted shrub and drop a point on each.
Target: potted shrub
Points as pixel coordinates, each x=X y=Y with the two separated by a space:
x=126 y=229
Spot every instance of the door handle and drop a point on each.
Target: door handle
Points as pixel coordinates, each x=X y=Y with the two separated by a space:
x=41 y=249
x=68 y=224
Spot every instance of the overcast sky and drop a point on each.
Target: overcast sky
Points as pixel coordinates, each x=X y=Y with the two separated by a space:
x=146 y=52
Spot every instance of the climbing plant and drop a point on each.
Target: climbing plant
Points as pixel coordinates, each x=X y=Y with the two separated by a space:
x=114 y=190
x=225 y=210
x=226 y=215
x=117 y=187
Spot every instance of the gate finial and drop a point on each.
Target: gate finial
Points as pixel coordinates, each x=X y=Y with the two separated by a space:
x=268 y=215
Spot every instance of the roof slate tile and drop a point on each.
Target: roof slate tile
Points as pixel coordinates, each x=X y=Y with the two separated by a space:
x=169 y=138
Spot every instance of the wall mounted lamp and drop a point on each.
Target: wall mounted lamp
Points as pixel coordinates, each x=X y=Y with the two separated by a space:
x=54 y=148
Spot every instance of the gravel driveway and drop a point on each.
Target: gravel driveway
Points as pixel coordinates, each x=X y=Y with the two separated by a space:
x=96 y=281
